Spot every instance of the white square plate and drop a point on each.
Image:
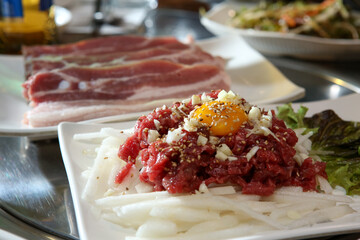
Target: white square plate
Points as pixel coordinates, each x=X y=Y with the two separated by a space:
x=92 y=228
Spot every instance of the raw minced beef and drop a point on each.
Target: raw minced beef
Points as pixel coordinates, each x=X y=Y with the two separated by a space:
x=181 y=166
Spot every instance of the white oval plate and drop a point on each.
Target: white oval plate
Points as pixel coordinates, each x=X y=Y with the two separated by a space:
x=91 y=227
x=282 y=44
x=253 y=77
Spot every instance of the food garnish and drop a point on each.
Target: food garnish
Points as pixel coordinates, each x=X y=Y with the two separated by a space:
x=222 y=118
x=334 y=141
x=328 y=19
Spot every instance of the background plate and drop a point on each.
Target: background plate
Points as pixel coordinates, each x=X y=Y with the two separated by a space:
x=286 y=44
x=93 y=228
x=253 y=77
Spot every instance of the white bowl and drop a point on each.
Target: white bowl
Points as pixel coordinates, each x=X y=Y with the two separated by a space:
x=281 y=44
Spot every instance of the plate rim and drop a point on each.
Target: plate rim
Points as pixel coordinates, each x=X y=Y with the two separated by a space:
x=322 y=230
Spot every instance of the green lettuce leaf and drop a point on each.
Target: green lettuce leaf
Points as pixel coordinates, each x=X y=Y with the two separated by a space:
x=292 y=119
x=346 y=175
x=335 y=141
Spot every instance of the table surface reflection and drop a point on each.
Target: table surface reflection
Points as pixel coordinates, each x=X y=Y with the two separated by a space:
x=35 y=199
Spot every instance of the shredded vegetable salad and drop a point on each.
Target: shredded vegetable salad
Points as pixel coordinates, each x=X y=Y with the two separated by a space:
x=328 y=19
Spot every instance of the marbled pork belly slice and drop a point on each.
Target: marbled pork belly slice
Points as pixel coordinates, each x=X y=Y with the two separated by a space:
x=52 y=113
x=143 y=80
x=91 y=47
x=98 y=46
x=175 y=52
x=47 y=62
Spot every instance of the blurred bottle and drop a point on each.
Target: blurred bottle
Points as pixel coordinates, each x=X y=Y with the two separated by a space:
x=26 y=22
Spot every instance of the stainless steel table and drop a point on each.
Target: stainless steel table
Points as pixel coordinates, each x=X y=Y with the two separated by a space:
x=35 y=200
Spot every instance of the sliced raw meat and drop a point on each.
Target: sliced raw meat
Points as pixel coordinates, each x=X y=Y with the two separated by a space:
x=177 y=52
x=52 y=113
x=115 y=75
x=99 y=46
x=151 y=79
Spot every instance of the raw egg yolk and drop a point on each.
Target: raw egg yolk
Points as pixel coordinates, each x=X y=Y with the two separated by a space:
x=222 y=118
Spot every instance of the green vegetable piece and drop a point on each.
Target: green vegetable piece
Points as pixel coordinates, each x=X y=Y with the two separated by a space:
x=346 y=176
x=333 y=132
x=335 y=141
x=291 y=118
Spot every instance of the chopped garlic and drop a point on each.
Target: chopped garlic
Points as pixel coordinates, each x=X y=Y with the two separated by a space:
x=266 y=120
x=195 y=100
x=201 y=141
x=203 y=188
x=225 y=149
x=152 y=136
x=254 y=114
x=157 y=124
x=205 y=98
x=258 y=129
x=186 y=101
x=252 y=152
x=214 y=140
x=266 y=131
x=228 y=97
x=191 y=124
x=260 y=121
x=223 y=152
x=232 y=158
x=175 y=135
x=221 y=156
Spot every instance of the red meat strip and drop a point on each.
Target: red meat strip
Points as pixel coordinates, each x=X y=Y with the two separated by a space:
x=115 y=75
x=151 y=79
x=99 y=46
x=170 y=87
x=176 y=52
